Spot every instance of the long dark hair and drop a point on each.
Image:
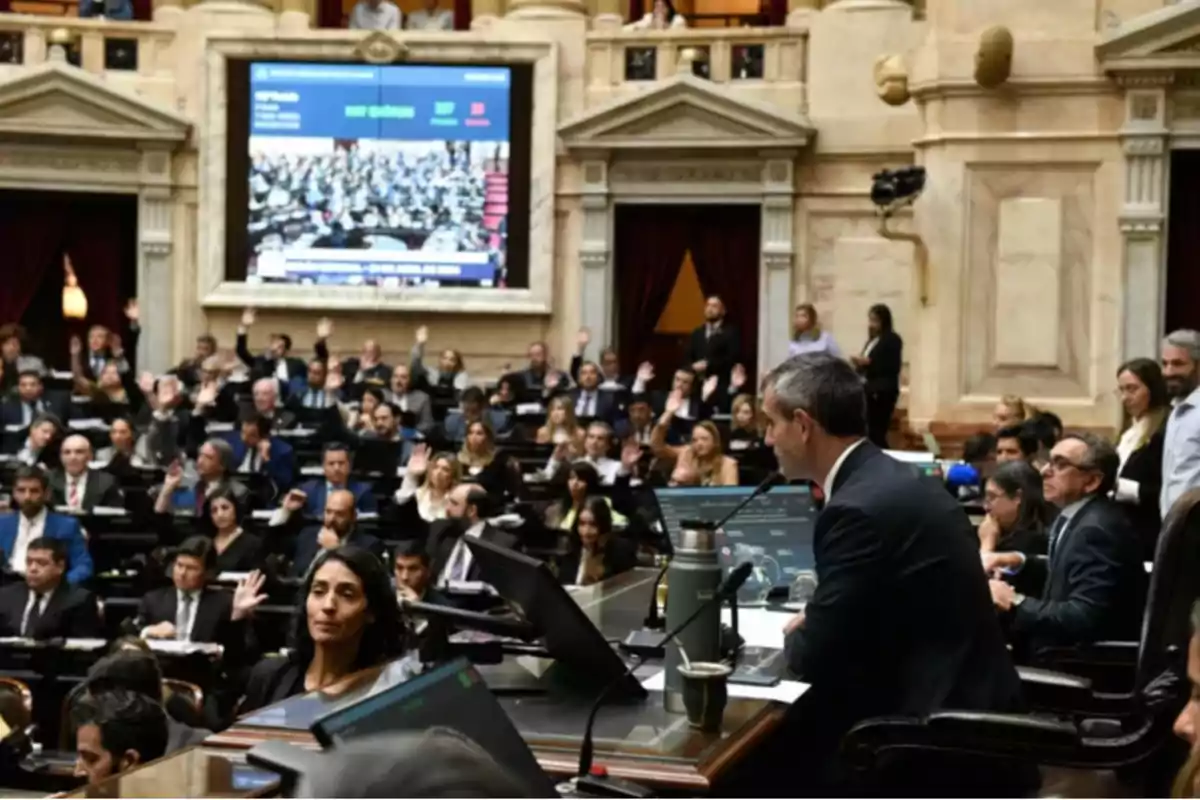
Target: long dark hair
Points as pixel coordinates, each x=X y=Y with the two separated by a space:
x=585 y=472
x=1019 y=477
x=598 y=507
x=885 y=317
x=1149 y=373
x=383 y=638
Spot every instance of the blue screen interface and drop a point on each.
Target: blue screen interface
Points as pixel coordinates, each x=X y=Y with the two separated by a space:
x=385 y=176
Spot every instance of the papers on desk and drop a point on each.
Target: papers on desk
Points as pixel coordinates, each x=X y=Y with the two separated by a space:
x=314 y=470
x=219 y=427
x=469 y=587
x=98 y=511
x=296 y=433
x=232 y=577
x=62 y=375
x=178 y=648
x=68 y=644
x=89 y=424
x=760 y=627
x=530 y=409
x=14 y=428
x=782 y=692
x=262 y=513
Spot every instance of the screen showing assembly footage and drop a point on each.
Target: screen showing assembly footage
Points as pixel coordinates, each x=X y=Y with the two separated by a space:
x=384 y=176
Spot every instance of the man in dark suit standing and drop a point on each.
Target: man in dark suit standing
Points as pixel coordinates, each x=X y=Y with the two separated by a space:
x=714 y=347
x=466 y=509
x=901 y=621
x=44 y=606
x=1094 y=579
x=79 y=488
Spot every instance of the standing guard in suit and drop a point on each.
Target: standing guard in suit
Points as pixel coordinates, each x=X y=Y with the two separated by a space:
x=714 y=346
x=44 y=606
x=34 y=521
x=901 y=621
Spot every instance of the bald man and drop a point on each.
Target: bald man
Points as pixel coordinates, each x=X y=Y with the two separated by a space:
x=339 y=528
x=79 y=488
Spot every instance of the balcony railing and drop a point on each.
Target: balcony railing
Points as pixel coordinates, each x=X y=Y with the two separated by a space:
x=96 y=45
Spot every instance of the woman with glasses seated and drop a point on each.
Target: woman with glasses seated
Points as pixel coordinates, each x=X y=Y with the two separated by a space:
x=1018 y=516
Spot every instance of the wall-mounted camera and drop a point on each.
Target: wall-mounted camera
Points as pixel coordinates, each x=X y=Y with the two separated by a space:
x=893 y=189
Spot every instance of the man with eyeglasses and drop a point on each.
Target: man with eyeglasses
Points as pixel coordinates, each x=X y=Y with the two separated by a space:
x=1094 y=583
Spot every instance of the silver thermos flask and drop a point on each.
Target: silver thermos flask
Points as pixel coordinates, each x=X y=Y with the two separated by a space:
x=693 y=578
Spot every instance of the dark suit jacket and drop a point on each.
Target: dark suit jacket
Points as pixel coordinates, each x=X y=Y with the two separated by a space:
x=307 y=547
x=71 y=613
x=129 y=345
x=607 y=405
x=1144 y=465
x=281 y=468
x=100 y=489
x=264 y=367
x=443 y=537
x=58 y=526
x=211 y=621
x=902 y=620
x=56 y=403
x=1094 y=579
x=420 y=406
x=882 y=375
x=721 y=351
x=620 y=555
x=314 y=507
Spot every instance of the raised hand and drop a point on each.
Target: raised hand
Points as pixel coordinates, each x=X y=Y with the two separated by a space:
x=174 y=476
x=582 y=340
x=248 y=317
x=645 y=372
x=700 y=366
x=631 y=453
x=737 y=378
x=264 y=450
x=710 y=386
x=674 y=402
x=294 y=500
x=208 y=394
x=146 y=383
x=552 y=380
x=324 y=328
x=131 y=310
x=418 y=462
x=327 y=539
x=75 y=346
x=422 y=334
x=334 y=380
x=248 y=595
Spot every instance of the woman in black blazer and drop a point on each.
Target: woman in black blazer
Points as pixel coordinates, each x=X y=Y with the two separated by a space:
x=1143 y=393
x=879 y=365
x=595 y=552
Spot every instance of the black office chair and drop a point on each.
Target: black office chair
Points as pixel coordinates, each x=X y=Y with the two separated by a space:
x=1075 y=726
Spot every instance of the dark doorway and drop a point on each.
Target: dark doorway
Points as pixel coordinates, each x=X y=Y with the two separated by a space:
x=668 y=258
x=1183 y=243
x=38 y=230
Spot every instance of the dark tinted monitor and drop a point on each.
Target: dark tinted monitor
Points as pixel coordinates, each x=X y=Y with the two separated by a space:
x=583 y=656
x=450 y=696
x=774 y=532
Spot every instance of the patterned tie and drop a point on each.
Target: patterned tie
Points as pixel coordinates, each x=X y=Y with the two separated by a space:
x=73 y=494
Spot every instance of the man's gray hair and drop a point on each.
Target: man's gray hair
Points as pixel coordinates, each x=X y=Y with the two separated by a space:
x=224 y=453
x=824 y=387
x=1185 y=339
x=1102 y=457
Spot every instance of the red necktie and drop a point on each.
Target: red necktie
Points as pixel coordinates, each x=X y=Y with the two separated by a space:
x=73 y=494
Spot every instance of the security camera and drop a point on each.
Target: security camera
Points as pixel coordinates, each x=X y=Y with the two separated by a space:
x=893 y=189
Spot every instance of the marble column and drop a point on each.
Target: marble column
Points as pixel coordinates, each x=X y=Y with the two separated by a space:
x=541 y=9
x=595 y=255
x=775 y=284
x=1143 y=216
x=155 y=270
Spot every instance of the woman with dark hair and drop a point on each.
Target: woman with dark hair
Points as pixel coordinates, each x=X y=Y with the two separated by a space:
x=1143 y=394
x=347 y=620
x=879 y=364
x=661 y=16
x=1017 y=512
x=582 y=482
x=595 y=553
x=237 y=550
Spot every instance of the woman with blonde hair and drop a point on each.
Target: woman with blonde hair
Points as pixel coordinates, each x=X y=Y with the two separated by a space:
x=703 y=460
x=428 y=480
x=1012 y=410
x=807 y=335
x=745 y=425
x=481 y=462
x=562 y=427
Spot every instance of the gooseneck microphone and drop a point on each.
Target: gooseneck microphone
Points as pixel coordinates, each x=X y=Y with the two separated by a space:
x=653 y=619
x=728 y=588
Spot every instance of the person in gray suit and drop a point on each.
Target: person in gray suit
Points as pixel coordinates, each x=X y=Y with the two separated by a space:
x=411 y=400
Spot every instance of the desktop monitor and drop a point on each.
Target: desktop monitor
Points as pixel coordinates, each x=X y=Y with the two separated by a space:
x=774 y=532
x=583 y=656
x=453 y=696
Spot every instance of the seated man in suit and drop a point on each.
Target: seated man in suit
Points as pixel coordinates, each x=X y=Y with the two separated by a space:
x=33 y=521
x=596 y=445
x=592 y=402
x=78 y=488
x=474 y=407
x=411 y=400
x=413 y=575
x=336 y=461
x=40 y=445
x=115 y=732
x=1094 y=579
x=256 y=451
x=214 y=462
x=44 y=606
x=339 y=528
x=310 y=392
x=450 y=558
x=31 y=401
x=189 y=610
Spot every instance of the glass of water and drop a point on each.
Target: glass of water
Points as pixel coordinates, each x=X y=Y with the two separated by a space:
x=803 y=587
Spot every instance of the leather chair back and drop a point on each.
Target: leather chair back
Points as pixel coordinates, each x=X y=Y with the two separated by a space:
x=1174 y=586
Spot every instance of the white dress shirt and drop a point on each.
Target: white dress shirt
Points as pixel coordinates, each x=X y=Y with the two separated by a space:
x=458 y=566
x=252 y=461
x=586 y=405
x=27 y=530
x=837 y=465
x=1181 y=452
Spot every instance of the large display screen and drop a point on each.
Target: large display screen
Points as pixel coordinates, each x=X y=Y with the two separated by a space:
x=387 y=176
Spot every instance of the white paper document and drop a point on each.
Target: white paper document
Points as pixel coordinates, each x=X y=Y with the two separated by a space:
x=782 y=692
x=759 y=627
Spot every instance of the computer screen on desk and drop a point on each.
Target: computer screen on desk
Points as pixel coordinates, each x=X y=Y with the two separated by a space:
x=452 y=696
x=774 y=532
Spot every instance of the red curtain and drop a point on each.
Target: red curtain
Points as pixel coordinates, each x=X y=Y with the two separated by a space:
x=33 y=235
x=329 y=14
x=1183 y=243
x=462 y=15
x=650 y=242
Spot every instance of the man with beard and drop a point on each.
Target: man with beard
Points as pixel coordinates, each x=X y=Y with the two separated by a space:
x=1181 y=447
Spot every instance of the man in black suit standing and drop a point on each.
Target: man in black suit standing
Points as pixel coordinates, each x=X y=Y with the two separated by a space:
x=714 y=347
x=450 y=558
x=1094 y=579
x=44 y=606
x=901 y=621
x=79 y=488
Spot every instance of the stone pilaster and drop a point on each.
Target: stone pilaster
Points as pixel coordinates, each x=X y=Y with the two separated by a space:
x=155 y=269
x=775 y=289
x=595 y=254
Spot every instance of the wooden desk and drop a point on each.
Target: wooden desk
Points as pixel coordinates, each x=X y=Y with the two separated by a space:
x=639 y=741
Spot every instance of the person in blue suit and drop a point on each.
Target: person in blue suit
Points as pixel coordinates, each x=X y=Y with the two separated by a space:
x=256 y=450
x=336 y=462
x=31 y=492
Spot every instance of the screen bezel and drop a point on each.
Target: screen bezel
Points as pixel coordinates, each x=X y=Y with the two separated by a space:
x=237 y=165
